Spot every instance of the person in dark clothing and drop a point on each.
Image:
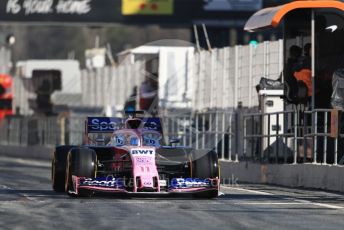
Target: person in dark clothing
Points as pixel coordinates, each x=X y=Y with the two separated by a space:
x=130 y=103
x=293 y=60
x=43 y=98
x=307 y=50
x=289 y=69
x=303 y=70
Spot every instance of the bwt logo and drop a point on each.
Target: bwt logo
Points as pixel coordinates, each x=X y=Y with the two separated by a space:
x=142 y=151
x=99 y=125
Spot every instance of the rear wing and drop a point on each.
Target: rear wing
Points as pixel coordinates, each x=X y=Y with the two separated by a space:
x=152 y=123
x=111 y=124
x=102 y=124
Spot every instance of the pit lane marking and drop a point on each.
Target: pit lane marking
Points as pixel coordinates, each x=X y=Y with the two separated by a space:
x=293 y=201
x=269 y=203
x=249 y=190
x=331 y=206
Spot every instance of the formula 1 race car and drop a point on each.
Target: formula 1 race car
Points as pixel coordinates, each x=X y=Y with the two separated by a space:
x=129 y=156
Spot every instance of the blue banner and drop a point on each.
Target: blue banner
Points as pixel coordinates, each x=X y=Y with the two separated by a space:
x=103 y=124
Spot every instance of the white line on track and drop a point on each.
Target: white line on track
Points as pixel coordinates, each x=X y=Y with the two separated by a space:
x=250 y=191
x=294 y=201
x=331 y=206
x=269 y=203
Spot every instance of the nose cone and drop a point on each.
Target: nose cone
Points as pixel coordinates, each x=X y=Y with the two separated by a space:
x=144 y=169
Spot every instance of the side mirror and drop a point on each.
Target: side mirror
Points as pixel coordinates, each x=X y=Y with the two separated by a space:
x=174 y=141
x=100 y=141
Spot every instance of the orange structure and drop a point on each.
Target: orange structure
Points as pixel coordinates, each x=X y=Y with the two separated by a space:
x=6 y=95
x=318 y=24
x=271 y=17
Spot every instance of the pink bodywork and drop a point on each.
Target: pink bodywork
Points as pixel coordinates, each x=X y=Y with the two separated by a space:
x=144 y=167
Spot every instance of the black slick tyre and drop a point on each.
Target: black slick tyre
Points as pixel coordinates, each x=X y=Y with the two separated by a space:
x=81 y=162
x=58 y=168
x=205 y=166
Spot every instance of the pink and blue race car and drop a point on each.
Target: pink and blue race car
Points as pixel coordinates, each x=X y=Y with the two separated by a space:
x=125 y=156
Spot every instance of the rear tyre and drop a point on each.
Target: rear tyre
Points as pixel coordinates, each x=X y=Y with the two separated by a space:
x=58 y=168
x=205 y=166
x=81 y=162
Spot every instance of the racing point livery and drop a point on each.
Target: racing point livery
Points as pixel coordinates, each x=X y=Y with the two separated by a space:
x=128 y=156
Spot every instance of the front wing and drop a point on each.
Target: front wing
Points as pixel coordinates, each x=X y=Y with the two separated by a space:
x=118 y=185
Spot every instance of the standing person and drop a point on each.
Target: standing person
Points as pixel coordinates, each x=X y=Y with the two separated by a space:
x=148 y=93
x=43 y=98
x=307 y=50
x=304 y=71
x=130 y=103
x=289 y=69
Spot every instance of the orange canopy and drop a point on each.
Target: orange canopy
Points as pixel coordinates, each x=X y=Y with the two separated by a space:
x=271 y=17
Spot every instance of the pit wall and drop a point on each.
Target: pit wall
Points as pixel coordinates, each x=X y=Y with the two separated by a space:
x=315 y=176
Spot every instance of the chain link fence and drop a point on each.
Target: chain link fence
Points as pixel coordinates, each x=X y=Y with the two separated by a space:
x=219 y=79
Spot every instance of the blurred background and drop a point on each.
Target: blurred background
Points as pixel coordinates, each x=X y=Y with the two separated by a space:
x=187 y=60
x=57 y=36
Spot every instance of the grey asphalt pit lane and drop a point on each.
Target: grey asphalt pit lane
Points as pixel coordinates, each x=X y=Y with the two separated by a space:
x=8 y=194
x=64 y=205
x=185 y=207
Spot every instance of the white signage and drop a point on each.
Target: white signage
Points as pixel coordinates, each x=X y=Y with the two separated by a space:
x=29 y=7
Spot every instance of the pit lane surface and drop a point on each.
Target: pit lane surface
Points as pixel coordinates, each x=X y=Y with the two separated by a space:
x=27 y=202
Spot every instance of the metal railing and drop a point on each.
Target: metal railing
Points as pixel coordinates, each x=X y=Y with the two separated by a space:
x=206 y=130
x=282 y=137
x=327 y=148
x=23 y=131
x=292 y=137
